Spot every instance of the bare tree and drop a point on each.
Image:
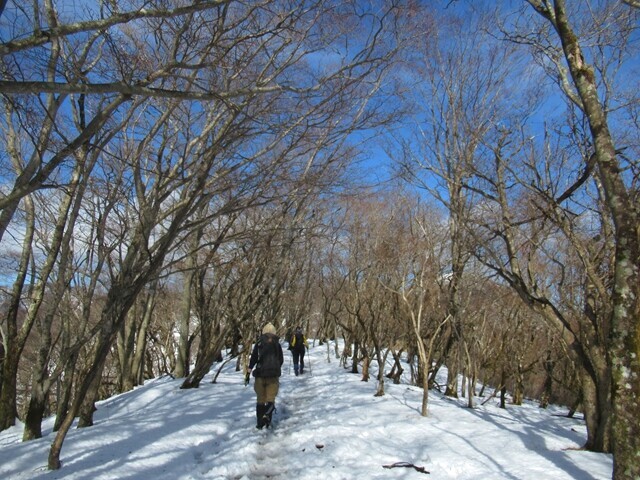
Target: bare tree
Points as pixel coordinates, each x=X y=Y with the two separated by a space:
x=38 y=140
x=232 y=153
x=517 y=242
x=588 y=85
x=457 y=100
x=132 y=339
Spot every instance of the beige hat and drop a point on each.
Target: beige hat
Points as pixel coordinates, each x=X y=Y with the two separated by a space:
x=269 y=328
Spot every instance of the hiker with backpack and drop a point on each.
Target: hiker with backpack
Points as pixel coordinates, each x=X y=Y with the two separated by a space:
x=266 y=362
x=298 y=346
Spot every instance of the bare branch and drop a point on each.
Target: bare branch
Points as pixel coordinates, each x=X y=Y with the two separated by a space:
x=103 y=89
x=43 y=37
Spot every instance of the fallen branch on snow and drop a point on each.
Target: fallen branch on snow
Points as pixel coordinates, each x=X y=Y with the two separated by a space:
x=407 y=465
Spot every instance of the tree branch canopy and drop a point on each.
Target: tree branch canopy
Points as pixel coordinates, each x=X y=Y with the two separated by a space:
x=45 y=36
x=30 y=87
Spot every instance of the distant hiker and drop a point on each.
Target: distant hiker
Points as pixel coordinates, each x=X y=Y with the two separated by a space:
x=267 y=358
x=298 y=346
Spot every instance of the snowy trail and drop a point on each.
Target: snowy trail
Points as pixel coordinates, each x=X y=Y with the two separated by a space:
x=301 y=404
x=329 y=423
x=328 y=426
x=273 y=453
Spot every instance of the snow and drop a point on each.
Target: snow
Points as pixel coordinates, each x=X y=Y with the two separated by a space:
x=328 y=425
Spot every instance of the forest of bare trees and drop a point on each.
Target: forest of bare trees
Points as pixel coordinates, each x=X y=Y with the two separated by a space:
x=440 y=184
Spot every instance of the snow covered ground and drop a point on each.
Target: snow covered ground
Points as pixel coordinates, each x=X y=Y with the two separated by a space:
x=328 y=426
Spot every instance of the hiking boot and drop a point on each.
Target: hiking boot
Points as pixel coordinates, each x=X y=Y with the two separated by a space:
x=270 y=407
x=260 y=413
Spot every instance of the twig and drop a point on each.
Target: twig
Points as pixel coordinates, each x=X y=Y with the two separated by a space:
x=407 y=465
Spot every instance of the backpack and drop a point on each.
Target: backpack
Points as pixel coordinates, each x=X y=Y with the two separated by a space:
x=268 y=364
x=298 y=341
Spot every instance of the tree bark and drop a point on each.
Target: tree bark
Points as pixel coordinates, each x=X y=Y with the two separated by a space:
x=64 y=393
x=15 y=339
x=208 y=352
x=119 y=301
x=35 y=413
x=624 y=348
x=184 y=321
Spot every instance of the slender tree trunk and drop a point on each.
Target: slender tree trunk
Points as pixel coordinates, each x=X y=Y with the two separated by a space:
x=14 y=339
x=184 y=320
x=381 y=362
x=354 y=357
x=2 y=355
x=423 y=367
x=88 y=406
x=139 y=354
x=548 y=365
x=131 y=344
x=39 y=387
x=65 y=389
x=102 y=350
x=125 y=346
x=8 y=395
x=452 y=379
x=366 y=361
x=518 y=390
x=208 y=352
x=119 y=300
x=471 y=377
x=503 y=389
x=396 y=371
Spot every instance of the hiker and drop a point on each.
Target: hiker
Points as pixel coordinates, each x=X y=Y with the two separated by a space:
x=267 y=359
x=298 y=346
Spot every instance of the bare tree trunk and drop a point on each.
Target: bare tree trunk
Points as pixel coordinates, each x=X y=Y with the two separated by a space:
x=184 y=320
x=64 y=393
x=548 y=365
x=119 y=300
x=132 y=341
x=503 y=389
x=471 y=375
x=90 y=397
x=396 y=370
x=354 y=357
x=91 y=378
x=424 y=364
x=208 y=352
x=35 y=413
x=39 y=388
x=14 y=339
x=125 y=347
x=452 y=376
x=382 y=359
x=518 y=388
x=8 y=407
x=624 y=348
x=366 y=361
x=139 y=354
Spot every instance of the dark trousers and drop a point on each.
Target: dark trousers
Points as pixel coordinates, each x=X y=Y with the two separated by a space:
x=298 y=361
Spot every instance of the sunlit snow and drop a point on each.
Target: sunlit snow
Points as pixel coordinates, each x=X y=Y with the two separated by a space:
x=328 y=425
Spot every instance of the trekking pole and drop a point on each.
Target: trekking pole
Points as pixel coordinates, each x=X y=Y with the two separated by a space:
x=289 y=368
x=309 y=360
